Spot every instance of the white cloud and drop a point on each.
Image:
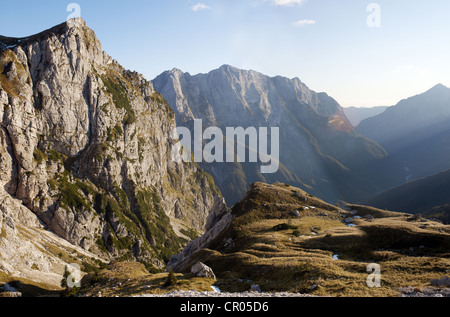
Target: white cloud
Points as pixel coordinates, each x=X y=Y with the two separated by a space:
x=302 y=23
x=200 y=6
x=288 y=3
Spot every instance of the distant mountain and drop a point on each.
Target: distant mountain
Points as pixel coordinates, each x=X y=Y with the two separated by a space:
x=412 y=120
x=418 y=196
x=355 y=115
x=415 y=133
x=318 y=146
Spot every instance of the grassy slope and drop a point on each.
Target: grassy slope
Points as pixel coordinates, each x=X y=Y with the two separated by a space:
x=299 y=259
x=279 y=251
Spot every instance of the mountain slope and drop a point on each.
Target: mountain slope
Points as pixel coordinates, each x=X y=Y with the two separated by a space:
x=356 y=115
x=410 y=121
x=417 y=196
x=283 y=239
x=416 y=135
x=85 y=146
x=318 y=147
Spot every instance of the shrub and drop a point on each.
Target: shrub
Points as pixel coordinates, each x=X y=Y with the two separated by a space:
x=171 y=279
x=39 y=156
x=284 y=226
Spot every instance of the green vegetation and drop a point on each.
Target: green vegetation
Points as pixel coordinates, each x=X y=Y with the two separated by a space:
x=156 y=224
x=113 y=133
x=39 y=156
x=171 y=279
x=190 y=233
x=118 y=89
x=68 y=291
x=7 y=60
x=73 y=195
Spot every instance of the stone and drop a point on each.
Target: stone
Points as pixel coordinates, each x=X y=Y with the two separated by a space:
x=11 y=294
x=202 y=270
x=348 y=220
x=443 y=282
x=255 y=288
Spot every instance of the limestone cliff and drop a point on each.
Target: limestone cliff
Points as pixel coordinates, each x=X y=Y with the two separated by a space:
x=85 y=149
x=320 y=152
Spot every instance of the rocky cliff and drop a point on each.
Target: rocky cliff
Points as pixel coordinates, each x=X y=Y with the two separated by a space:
x=85 y=152
x=319 y=150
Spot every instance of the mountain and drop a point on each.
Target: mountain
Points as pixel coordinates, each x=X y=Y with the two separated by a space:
x=85 y=160
x=318 y=147
x=412 y=120
x=417 y=196
x=441 y=213
x=355 y=115
x=283 y=239
x=416 y=135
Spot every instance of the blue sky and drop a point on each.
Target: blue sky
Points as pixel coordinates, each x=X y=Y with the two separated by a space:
x=328 y=44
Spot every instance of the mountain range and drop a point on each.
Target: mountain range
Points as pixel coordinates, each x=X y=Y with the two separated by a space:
x=88 y=178
x=416 y=136
x=319 y=149
x=355 y=115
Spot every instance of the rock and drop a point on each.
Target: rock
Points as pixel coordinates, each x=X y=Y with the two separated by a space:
x=270 y=102
x=228 y=243
x=11 y=294
x=313 y=287
x=416 y=217
x=443 y=282
x=179 y=262
x=202 y=270
x=83 y=141
x=348 y=220
x=255 y=288
x=296 y=213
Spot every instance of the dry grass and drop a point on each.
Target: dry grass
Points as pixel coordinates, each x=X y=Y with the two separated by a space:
x=131 y=279
x=300 y=258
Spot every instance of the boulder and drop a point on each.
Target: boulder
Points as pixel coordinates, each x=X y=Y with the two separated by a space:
x=443 y=282
x=202 y=270
x=255 y=288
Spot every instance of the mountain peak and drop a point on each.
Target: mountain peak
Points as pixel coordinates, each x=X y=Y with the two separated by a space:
x=438 y=88
x=76 y=25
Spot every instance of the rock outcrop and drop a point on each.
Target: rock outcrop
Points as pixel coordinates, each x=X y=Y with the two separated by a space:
x=85 y=153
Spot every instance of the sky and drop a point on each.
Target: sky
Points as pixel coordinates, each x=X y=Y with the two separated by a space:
x=363 y=53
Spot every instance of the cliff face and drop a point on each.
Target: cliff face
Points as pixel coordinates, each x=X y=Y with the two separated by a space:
x=319 y=150
x=85 y=145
